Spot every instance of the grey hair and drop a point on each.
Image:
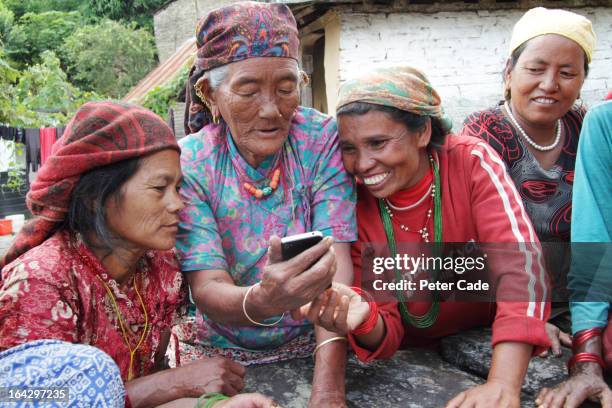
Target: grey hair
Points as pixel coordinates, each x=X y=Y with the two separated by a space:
x=218 y=75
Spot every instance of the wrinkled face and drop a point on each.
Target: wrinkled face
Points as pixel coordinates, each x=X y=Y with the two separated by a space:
x=382 y=153
x=146 y=215
x=546 y=79
x=257 y=100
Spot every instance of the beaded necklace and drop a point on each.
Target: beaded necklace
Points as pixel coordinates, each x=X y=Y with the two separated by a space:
x=260 y=191
x=429 y=318
x=121 y=324
x=264 y=191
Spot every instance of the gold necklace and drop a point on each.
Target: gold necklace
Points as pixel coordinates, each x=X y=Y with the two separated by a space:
x=123 y=331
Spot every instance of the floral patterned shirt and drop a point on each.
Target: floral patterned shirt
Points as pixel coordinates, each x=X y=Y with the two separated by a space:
x=56 y=291
x=224 y=227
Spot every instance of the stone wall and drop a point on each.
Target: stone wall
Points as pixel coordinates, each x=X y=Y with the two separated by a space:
x=175 y=23
x=462 y=53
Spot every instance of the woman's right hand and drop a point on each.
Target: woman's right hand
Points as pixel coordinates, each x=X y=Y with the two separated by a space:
x=215 y=374
x=287 y=285
x=339 y=310
x=247 y=401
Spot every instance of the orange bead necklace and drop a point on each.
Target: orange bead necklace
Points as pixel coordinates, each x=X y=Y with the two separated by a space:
x=264 y=191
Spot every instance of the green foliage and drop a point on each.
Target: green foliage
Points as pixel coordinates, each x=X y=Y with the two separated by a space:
x=6 y=23
x=16 y=173
x=35 y=33
x=108 y=58
x=39 y=96
x=8 y=77
x=44 y=88
x=138 y=11
x=160 y=98
x=21 y=7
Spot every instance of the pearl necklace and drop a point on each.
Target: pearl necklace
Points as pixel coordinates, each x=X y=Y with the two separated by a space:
x=528 y=139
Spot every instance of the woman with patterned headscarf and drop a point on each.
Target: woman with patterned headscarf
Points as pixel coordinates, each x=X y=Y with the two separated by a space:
x=535 y=130
x=419 y=188
x=257 y=167
x=96 y=267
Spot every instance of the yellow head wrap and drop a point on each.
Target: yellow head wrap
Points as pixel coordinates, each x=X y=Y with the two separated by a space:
x=540 y=21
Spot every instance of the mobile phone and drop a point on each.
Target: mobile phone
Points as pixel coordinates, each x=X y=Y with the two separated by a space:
x=296 y=244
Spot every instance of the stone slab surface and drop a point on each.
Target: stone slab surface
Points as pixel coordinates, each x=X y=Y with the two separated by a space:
x=412 y=379
x=471 y=351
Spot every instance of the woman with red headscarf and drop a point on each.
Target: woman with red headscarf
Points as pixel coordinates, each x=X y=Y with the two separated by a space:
x=96 y=267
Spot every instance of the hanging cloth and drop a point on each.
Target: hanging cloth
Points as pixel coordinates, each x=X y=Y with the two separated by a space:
x=32 y=137
x=48 y=136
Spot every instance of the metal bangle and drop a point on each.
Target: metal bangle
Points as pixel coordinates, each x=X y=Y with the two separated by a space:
x=249 y=317
x=324 y=342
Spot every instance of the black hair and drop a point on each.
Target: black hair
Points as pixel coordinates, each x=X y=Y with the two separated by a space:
x=87 y=209
x=412 y=121
x=516 y=54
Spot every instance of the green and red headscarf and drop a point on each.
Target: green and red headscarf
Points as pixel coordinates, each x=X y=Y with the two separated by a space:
x=401 y=87
x=101 y=133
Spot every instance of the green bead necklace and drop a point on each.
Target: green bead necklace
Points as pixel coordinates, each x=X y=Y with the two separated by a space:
x=429 y=318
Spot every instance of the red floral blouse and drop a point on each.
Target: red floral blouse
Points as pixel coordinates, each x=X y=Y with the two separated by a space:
x=55 y=291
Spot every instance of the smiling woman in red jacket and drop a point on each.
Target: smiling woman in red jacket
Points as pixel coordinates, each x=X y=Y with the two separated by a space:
x=418 y=186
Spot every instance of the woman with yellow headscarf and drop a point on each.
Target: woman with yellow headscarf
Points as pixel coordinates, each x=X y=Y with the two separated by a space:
x=535 y=129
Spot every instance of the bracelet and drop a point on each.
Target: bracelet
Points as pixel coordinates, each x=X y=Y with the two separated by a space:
x=370 y=323
x=583 y=336
x=249 y=317
x=324 y=342
x=585 y=358
x=209 y=399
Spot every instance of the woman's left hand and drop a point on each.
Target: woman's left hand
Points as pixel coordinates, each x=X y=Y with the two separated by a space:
x=490 y=394
x=557 y=338
x=338 y=309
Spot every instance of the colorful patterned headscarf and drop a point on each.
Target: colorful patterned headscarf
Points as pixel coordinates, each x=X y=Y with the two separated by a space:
x=400 y=87
x=235 y=33
x=539 y=21
x=100 y=133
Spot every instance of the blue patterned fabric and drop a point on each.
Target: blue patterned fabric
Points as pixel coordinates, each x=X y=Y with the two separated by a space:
x=91 y=376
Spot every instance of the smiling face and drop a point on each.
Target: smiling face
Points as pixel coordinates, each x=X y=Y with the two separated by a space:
x=257 y=100
x=382 y=152
x=546 y=80
x=145 y=216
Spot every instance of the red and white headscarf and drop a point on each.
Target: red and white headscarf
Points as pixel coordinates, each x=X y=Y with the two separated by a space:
x=100 y=133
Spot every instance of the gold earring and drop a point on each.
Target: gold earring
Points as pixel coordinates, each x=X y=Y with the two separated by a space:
x=215 y=119
x=198 y=90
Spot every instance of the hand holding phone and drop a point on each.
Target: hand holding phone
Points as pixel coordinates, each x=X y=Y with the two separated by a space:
x=287 y=285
